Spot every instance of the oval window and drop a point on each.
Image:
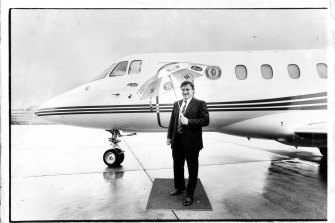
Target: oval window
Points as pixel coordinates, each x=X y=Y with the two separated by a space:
x=241 y=72
x=322 y=69
x=293 y=71
x=267 y=72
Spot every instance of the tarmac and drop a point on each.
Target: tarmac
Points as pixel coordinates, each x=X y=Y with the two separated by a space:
x=58 y=174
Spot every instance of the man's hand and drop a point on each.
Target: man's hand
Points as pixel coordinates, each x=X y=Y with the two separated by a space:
x=168 y=141
x=183 y=120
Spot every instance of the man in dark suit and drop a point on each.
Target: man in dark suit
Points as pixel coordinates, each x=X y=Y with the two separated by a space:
x=185 y=137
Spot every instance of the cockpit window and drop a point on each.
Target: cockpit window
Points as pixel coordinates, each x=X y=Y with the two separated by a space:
x=120 y=69
x=104 y=73
x=135 y=67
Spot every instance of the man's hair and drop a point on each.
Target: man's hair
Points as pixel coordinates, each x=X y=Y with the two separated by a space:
x=187 y=83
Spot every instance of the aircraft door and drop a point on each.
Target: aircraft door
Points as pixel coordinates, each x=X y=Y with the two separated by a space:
x=165 y=105
x=168 y=94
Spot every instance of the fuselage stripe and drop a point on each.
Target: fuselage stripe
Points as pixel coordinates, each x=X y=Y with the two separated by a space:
x=78 y=112
x=311 y=102
x=307 y=96
x=210 y=105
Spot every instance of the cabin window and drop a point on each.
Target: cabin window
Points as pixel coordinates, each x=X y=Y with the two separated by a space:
x=241 y=72
x=120 y=69
x=322 y=70
x=104 y=73
x=135 y=67
x=293 y=71
x=267 y=72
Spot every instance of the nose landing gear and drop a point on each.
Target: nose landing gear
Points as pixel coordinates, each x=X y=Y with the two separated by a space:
x=114 y=156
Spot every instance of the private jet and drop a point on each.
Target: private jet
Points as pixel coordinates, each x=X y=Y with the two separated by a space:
x=274 y=94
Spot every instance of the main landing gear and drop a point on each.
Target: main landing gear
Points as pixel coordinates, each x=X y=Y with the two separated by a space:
x=114 y=156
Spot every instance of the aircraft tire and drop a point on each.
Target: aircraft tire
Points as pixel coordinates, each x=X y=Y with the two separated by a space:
x=112 y=158
x=323 y=151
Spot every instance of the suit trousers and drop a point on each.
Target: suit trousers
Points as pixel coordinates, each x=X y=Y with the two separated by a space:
x=180 y=154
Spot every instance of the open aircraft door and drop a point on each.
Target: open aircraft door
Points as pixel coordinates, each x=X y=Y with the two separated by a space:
x=164 y=105
x=164 y=109
x=180 y=72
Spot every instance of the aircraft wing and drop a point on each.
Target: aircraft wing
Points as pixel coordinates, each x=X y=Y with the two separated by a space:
x=313 y=130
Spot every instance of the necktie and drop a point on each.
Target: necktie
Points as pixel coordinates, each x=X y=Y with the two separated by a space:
x=179 y=122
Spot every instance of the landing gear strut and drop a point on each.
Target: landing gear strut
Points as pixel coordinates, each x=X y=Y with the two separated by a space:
x=114 y=156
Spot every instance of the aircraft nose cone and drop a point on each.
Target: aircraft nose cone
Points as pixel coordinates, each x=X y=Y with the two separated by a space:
x=50 y=110
x=46 y=107
x=56 y=108
x=39 y=110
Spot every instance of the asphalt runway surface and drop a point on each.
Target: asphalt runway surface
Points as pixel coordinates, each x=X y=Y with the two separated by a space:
x=57 y=173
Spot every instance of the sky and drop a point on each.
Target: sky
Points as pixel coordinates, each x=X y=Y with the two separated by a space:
x=55 y=50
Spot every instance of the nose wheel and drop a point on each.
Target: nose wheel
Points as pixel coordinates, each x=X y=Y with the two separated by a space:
x=113 y=157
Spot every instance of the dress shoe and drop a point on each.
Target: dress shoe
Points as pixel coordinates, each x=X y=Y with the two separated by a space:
x=176 y=192
x=188 y=201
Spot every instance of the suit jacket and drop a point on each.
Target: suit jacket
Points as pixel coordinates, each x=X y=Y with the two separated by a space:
x=197 y=115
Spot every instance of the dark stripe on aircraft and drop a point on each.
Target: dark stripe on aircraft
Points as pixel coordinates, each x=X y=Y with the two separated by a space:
x=101 y=109
x=306 y=96
x=320 y=107
x=138 y=106
x=98 y=106
x=217 y=105
x=161 y=108
x=214 y=108
x=322 y=94
x=74 y=112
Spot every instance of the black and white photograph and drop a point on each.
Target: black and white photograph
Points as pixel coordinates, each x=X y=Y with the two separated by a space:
x=187 y=112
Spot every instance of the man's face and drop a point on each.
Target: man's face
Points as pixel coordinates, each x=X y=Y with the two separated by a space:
x=187 y=91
